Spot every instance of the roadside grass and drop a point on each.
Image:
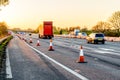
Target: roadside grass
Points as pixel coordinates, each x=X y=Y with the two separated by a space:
x=3 y=46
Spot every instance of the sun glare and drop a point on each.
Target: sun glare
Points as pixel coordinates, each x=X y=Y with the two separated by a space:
x=2 y=14
x=20 y=13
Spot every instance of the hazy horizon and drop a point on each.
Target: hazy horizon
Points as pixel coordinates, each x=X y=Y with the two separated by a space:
x=64 y=13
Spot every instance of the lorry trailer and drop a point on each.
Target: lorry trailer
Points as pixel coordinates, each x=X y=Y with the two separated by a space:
x=46 y=30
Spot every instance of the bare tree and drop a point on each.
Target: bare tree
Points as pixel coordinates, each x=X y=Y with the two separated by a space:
x=115 y=21
x=84 y=29
x=73 y=28
x=101 y=27
x=3 y=28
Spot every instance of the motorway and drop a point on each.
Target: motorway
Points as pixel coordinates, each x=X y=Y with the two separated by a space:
x=31 y=62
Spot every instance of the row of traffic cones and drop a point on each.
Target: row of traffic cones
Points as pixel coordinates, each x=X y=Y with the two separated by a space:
x=81 y=58
x=38 y=44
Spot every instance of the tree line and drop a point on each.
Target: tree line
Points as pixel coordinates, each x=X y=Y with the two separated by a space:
x=111 y=27
x=3 y=29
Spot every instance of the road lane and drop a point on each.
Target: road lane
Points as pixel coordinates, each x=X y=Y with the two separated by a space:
x=64 y=67
x=99 y=51
x=98 y=69
x=27 y=65
x=67 y=51
x=99 y=48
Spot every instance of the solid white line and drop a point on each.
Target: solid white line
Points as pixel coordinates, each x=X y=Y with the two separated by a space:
x=8 y=67
x=61 y=65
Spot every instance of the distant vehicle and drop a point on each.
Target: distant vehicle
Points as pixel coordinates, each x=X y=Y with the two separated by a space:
x=95 y=38
x=46 y=30
x=82 y=35
x=76 y=31
x=22 y=32
x=30 y=34
x=9 y=32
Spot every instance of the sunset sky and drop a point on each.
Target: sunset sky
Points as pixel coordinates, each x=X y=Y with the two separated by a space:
x=64 y=13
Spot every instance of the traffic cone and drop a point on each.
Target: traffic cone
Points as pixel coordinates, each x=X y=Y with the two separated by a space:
x=81 y=56
x=112 y=40
x=38 y=43
x=31 y=40
x=51 y=48
x=22 y=38
x=25 y=39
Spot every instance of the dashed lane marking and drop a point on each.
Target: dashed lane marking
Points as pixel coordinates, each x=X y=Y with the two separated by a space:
x=106 y=52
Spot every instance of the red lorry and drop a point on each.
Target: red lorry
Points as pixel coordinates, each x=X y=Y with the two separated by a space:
x=46 y=30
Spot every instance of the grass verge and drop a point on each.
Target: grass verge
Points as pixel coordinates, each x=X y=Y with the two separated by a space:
x=3 y=46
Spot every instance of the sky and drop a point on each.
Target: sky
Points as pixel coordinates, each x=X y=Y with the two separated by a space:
x=64 y=13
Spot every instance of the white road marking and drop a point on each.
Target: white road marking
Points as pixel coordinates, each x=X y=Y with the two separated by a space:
x=8 y=67
x=99 y=50
x=61 y=65
x=107 y=49
x=106 y=52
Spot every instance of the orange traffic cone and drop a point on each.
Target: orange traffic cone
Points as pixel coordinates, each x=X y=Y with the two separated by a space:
x=38 y=43
x=81 y=56
x=25 y=40
x=31 y=40
x=22 y=38
x=51 y=48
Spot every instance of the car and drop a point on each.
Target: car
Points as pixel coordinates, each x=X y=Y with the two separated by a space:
x=30 y=34
x=82 y=35
x=95 y=38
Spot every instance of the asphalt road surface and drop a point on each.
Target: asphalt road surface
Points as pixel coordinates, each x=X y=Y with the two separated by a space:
x=31 y=62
